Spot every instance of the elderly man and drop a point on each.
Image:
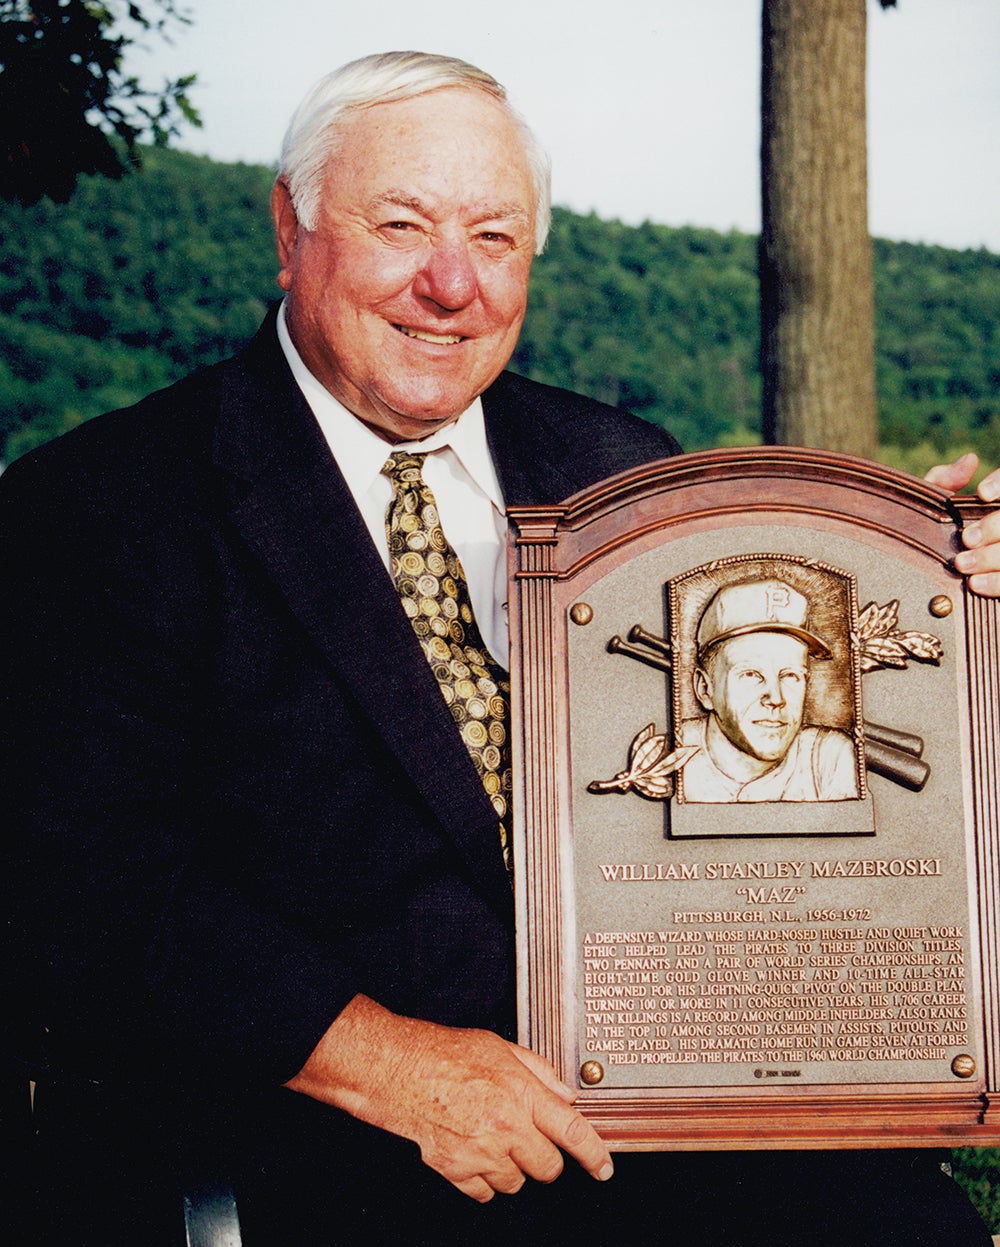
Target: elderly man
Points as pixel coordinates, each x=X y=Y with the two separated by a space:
x=260 y=902
x=753 y=669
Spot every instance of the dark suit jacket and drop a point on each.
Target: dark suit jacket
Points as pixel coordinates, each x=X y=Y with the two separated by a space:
x=238 y=800
x=239 y=795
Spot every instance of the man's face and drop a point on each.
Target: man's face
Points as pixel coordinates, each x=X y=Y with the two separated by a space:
x=407 y=298
x=756 y=685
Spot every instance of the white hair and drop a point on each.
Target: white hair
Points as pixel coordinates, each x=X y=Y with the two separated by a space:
x=311 y=138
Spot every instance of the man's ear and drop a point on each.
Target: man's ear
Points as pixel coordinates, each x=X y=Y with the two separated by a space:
x=703 y=688
x=286 y=231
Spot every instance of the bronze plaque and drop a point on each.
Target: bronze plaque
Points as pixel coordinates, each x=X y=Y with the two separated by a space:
x=757 y=841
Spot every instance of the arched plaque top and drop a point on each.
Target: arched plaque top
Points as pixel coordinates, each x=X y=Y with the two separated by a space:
x=747 y=482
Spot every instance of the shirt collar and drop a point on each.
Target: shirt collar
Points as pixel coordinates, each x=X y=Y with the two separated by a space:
x=360 y=453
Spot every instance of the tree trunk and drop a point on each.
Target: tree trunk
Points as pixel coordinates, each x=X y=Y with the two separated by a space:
x=817 y=318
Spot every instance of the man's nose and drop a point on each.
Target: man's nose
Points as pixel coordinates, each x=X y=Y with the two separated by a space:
x=773 y=694
x=448 y=276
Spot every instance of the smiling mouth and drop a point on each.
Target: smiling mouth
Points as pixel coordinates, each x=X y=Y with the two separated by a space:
x=438 y=339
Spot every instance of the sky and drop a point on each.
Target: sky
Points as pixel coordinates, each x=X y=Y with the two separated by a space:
x=648 y=108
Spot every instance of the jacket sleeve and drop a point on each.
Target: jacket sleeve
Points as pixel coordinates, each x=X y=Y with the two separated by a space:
x=130 y=939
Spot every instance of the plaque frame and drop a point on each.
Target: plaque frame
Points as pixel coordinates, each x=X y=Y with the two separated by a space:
x=558 y=554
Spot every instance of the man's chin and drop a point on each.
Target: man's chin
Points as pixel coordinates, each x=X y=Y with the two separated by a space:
x=410 y=426
x=769 y=746
x=770 y=750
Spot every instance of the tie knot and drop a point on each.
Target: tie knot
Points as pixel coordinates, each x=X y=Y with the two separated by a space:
x=404 y=467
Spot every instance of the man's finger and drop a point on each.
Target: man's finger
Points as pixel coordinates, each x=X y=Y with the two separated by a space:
x=562 y=1124
x=986 y=584
x=476 y=1188
x=539 y=1158
x=989 y=486
x=574 y=1134
x=507 y=1178
x=982 y=545
x=954 y=476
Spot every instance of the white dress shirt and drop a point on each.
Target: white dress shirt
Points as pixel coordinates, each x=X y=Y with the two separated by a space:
x=459 y=472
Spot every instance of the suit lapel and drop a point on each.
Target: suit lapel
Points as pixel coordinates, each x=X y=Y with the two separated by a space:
x=297 y=515
x=537 y=462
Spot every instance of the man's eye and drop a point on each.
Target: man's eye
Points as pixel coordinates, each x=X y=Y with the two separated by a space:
x=496 y=241
x=400 y=233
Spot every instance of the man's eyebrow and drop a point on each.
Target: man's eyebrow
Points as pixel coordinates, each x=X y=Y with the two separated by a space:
x=485 y=211
x=502 y=212
x=397 y=199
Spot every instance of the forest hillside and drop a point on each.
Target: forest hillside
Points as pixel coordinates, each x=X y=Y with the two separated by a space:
x=133 y=283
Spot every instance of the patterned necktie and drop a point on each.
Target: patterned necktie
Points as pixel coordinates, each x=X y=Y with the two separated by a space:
x=435 y=597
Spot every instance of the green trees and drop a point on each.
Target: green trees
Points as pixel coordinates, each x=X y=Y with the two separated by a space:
x=66 y=105
x=976 y=1170
x=135 y=282
x=661 y=321
x=128 y=287
x=938 y=357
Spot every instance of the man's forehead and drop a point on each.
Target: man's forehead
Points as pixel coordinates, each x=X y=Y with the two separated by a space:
x=444 y=146
x=458 y=116
x=741 y=651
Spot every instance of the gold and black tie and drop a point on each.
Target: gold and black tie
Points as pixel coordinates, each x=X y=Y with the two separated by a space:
x=432 y=588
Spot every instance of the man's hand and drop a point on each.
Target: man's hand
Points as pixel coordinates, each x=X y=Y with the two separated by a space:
x=980 y=560
x=485 y=1113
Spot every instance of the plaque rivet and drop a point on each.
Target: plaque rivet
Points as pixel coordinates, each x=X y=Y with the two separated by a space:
x=963 y=1066
x=581 y=613
x=591 y=1073
x=941 y=606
